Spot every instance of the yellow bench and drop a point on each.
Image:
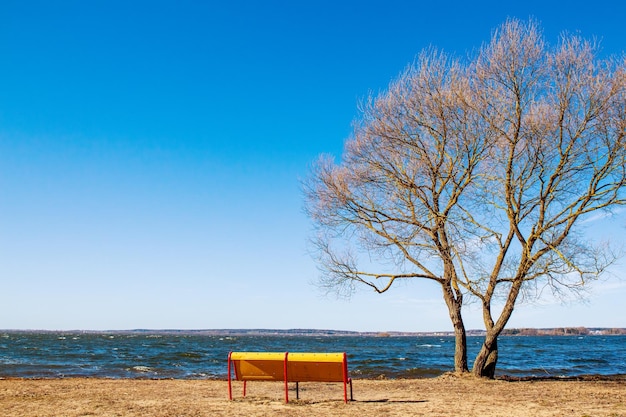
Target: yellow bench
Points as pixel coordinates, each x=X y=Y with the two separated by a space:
x=288 y=367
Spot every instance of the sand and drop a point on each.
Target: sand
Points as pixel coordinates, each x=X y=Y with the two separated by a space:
x=444 y=396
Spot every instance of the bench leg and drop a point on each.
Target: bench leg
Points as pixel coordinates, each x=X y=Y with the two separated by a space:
x=230 y=385
x=351 y=398
x=297 y=391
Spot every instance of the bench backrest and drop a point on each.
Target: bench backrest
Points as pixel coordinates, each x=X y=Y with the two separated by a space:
x=300 y=367
x=258 y=366
x=289 y=367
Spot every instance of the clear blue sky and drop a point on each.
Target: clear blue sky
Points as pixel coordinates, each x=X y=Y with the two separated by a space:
x=151 y=154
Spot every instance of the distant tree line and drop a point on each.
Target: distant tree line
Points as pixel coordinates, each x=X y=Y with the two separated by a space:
x=564 y=331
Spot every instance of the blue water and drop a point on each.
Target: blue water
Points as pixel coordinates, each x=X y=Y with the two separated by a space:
x=193 y=356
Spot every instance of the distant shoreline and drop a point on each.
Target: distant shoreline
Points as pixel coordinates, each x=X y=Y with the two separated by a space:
x=557 y=331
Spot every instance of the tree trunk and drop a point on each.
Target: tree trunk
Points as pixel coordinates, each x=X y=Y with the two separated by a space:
x=460 y=348
x=487 y=358
x=460 y=337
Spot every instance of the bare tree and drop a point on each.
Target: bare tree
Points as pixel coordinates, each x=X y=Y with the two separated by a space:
x=477 y=175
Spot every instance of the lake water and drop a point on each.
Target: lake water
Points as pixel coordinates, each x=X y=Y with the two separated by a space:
x=193 y=356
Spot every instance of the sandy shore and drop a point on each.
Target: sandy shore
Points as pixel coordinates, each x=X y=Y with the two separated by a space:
x=443 y=396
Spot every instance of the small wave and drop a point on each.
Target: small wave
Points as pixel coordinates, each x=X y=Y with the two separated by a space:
x=427 y=345
x=590 y=361
x=200 y=375
x=190 y=355
x=12 y=361
x=141 y=368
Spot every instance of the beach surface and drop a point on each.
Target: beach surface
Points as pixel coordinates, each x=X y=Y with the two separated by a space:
x=447 y=395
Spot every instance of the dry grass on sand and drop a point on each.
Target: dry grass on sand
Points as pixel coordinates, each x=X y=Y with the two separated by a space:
x=444 y=396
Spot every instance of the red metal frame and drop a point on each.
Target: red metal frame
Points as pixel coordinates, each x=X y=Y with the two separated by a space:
x=286 y=378
x=230 y=384
x=345 y=379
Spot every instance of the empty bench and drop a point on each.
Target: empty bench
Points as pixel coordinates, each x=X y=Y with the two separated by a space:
x=289 y=367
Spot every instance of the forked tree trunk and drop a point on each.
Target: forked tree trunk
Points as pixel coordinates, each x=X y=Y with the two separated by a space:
x=487 y=358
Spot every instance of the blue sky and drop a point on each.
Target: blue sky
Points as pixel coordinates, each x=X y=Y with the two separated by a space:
x=151 y=154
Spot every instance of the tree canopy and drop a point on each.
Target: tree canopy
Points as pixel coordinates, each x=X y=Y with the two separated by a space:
x=476 y=174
